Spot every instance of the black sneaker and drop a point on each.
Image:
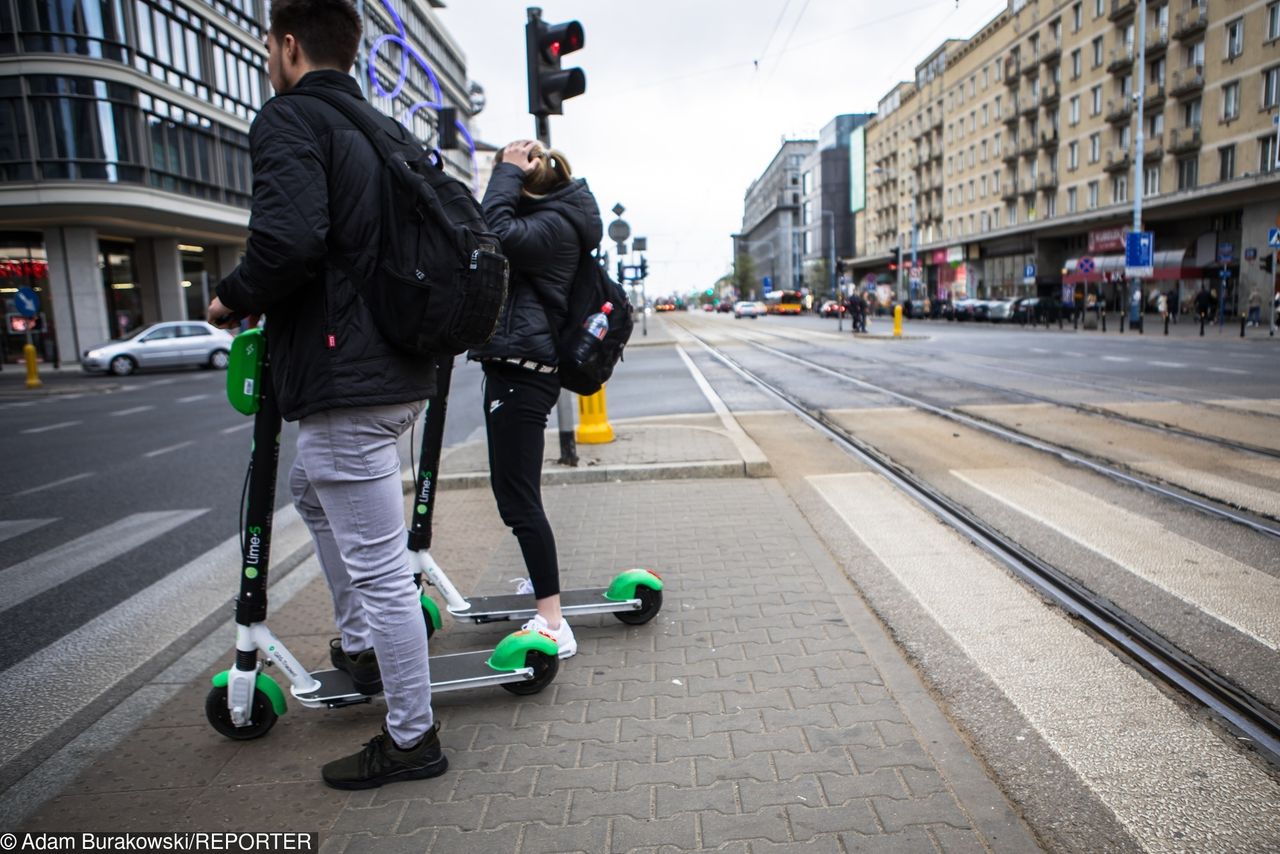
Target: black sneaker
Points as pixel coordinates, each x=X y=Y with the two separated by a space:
x=361 y=667
x=382 y=762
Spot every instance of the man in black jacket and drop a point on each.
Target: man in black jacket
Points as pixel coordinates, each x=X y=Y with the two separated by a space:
x=314 y=221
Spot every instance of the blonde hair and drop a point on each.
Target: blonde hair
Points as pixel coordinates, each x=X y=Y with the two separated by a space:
x=550 y=172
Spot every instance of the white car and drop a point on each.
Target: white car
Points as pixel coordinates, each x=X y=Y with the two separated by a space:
x=177 y=343
x=746 y=308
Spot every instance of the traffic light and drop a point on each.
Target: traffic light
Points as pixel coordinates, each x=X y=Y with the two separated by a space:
x=622 y=273
x=644 y=268
x=711 y=292
x=549 y=84
x=1267 y=263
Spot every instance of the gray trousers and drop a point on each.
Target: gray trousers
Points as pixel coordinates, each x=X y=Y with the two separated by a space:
x=346 y=485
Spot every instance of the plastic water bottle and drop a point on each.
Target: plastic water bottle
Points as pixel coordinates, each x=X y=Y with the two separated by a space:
x=593 y=331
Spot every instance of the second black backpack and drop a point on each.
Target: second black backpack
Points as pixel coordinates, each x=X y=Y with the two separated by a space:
x=592 y=288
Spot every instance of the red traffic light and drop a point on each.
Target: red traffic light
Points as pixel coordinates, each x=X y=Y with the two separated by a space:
x=558 y=39
x=549 y=84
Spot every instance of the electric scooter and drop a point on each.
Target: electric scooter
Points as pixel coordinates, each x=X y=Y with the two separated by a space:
x=634 y=596
x=245 y=702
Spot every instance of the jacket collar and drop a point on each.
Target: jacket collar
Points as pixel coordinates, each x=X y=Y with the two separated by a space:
x=328 y=78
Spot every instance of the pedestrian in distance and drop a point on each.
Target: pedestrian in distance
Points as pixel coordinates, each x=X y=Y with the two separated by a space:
x=1162 y=306
x=1255 y=307
x=317 y=199
x=546 y=219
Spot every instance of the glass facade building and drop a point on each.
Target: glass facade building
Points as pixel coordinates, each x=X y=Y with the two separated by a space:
x=125 y=177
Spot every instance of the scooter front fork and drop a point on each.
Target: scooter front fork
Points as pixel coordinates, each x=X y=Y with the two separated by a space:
x=242 y=679
x=435 y=576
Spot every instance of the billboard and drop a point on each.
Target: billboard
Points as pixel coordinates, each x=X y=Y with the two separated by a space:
x=857 y=170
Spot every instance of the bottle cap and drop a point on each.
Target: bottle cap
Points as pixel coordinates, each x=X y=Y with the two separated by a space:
x=607 y=307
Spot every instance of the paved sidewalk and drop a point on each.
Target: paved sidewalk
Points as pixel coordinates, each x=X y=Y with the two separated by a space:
x=764 y=709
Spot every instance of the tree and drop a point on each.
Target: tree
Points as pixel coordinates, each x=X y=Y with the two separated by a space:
x=744 y=276
x=819 y=278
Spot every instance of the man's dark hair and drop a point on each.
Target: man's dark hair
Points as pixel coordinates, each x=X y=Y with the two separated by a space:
x=327 y=30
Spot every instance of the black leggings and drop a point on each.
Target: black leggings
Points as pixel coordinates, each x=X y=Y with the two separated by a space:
x=516 y=405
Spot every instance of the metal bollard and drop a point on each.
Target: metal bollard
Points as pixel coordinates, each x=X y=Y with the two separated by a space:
x=1122 y=323
x=1243 y=318
x=1166 y=324
x=1075 y=320
x=1202 y=326
x=29 y=356
x=1142 y=324
x=1103 y=314
x=897 y=321
x=593 y=419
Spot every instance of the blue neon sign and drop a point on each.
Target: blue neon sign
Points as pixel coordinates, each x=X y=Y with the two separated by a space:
x=407 y=51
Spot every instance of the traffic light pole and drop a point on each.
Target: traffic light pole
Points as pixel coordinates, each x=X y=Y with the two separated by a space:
x=1139 y=163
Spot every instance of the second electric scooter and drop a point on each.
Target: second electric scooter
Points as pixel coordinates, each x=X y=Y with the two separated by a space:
x=634 y=596
x=244 y=701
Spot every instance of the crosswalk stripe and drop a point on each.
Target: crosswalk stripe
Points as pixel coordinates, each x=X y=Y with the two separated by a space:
x=48 y=427
x=77 y=668
x=237 y=428
x=1131 y=744
x=157 y=452
x=47 y=570
x=62 y=482
x=1229 y=371
x=191 y=398
x=10 y=528
x=1116 y=359
x=1233 y=491
x=1236 y=594
x=1168 y=364
x=133 y=410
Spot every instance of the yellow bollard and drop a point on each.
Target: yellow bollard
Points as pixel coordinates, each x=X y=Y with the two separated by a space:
x=33 y=377
x=897 y=321
x=593 y=419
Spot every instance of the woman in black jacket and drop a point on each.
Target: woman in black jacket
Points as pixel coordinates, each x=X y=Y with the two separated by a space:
x=545 y=220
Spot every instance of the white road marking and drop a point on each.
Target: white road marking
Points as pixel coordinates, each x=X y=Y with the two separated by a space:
x=162 y=382
x=10 y=528
x=236 y=429
x=1225 y=488
x=58 y=426
x=1227 y=590
x=1116 y=359
x=1143 y=756
x=133 y=410
x=47 y=570
x=77 y=668
x=1228 y=371
x=1168 y=364
x=1040 y=350
x=169 y=449
x=1073 y=353
x=192 y=397
x=56 y=483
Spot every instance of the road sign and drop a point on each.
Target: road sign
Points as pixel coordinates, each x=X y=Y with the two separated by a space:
x=1224 y=274
x=1029 y=272
x=1085 y=265
x=1138 y=253
x=27 y=302
x=1250 y=254
x=1225 y=253
x=1273 y=238
x=619 y=230
x=767 y=284
x=640 y=244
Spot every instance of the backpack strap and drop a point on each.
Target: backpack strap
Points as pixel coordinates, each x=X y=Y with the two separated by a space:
x=361 y=114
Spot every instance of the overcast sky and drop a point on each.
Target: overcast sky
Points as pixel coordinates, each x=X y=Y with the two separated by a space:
x=688 y=100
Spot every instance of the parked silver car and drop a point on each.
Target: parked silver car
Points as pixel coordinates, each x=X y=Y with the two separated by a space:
x=178 y=343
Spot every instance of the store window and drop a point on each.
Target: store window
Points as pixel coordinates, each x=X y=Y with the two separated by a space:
x=123 y=298
x=23 y=264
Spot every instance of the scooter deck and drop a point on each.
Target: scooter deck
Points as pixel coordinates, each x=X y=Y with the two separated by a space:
x=452 y=672
x=513 y=606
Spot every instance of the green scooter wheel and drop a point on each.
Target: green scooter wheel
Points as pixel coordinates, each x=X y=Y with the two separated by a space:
x=215 y=709
x=650 y=605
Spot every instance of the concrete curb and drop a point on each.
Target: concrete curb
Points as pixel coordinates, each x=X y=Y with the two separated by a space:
x=614 y=474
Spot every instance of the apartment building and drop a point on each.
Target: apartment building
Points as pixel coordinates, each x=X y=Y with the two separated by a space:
x=826 y=200
x=125 y=178
x=1038 y=149
x=771 y=235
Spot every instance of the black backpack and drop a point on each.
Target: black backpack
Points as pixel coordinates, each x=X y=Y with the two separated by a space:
x=441 y=279
x=591 y=289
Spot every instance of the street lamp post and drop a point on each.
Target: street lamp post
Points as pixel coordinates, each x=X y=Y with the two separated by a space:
x=1139 y=146
x=831 y=267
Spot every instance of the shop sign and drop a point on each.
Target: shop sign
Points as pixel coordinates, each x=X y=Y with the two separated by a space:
x=1107 y=239
x=955 y=254
x=939 y=257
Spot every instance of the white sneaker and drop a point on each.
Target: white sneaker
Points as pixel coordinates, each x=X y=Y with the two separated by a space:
x=523 y=586
x=563 y=636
